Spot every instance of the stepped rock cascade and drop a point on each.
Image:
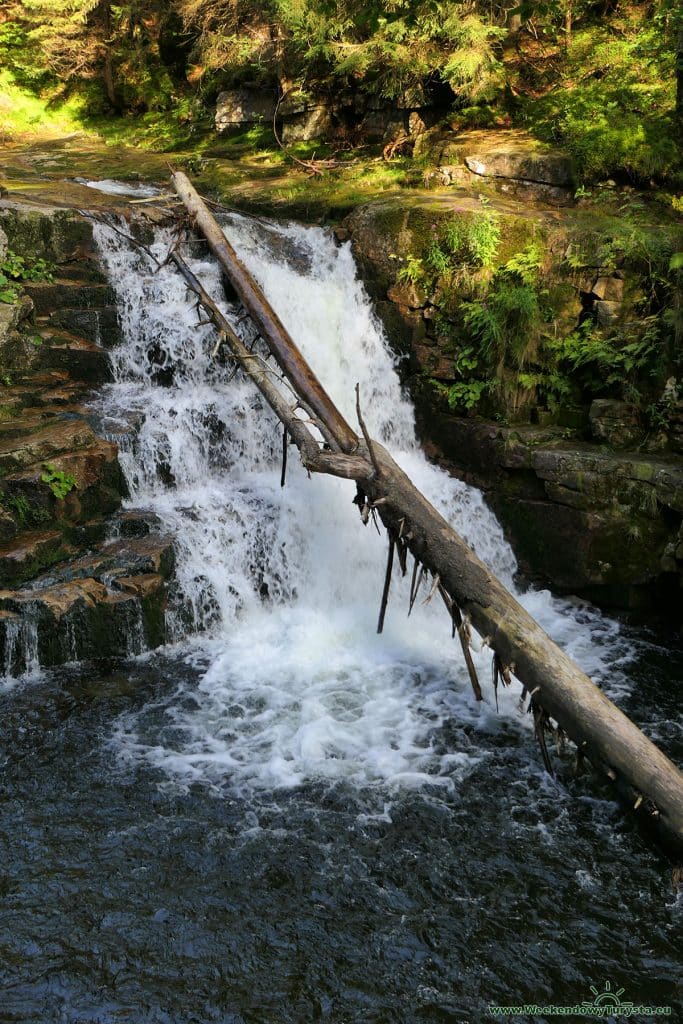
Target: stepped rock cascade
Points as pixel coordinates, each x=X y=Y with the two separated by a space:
x=277 y=589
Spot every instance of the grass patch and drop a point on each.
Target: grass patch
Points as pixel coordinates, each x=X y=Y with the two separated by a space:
x=25 y=114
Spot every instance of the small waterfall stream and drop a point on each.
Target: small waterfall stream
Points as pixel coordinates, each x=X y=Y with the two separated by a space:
x=284 y=584
x=282 y=817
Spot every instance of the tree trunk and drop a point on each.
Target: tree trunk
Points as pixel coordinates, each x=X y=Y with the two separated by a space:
x=679 y=73
x=104 y=10
x=567 y=26
x=555 y=685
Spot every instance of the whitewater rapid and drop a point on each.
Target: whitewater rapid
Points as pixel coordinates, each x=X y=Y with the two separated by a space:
x=278 y=589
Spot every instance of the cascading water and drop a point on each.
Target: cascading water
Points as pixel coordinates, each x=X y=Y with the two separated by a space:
x=284 y=817
x=285 y=583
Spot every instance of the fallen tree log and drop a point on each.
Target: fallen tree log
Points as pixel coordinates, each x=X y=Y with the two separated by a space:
x=271 y=328
x=555 y=686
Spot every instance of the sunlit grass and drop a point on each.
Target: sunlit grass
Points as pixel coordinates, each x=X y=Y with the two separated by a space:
x=24 y=114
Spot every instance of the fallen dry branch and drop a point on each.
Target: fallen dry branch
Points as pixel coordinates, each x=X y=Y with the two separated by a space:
x=557 y=688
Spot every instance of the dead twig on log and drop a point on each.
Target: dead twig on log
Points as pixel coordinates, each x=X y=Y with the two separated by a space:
x=366 y=435
x=387 y=583
x=460 y=627
x=285 y=442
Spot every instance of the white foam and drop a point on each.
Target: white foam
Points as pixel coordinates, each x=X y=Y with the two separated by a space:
x=121 y=188
x=299 y=686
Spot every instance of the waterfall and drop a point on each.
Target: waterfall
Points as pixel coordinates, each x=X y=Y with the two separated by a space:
x=278 y=589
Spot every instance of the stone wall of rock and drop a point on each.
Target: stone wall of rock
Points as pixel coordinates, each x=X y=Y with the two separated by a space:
x=587 y=510
x=66 y=591
x=303 y=116
x=582 y=518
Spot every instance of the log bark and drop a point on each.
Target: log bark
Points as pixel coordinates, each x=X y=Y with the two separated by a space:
x=270 y=326
x=557 y=687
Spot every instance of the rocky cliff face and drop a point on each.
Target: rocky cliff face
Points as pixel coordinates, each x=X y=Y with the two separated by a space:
x=78 y=577
x=590 y=496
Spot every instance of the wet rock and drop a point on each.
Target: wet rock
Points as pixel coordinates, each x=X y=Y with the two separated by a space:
x=580 y=517
x=52 y=234
x=99 y=480
x=81 y=619
x=584 y=548
x=110 y=603
x=236 y=107
x=3 y=245
x=81 y=359
x=50 y=296
x=64 y=435
x=130 y=556
x=17 y=350
x=140 y=586
x=43 y=444
x=98 y=488
x=615 y=423
x=135 y=523
x=100 y=326
x=29 y=554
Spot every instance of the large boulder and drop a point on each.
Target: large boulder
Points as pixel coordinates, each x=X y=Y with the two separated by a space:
x=52 y=234
x=512 y=155
x=616 y=423
x=588 y=521
x=311 y=123
x=521 y=165
x=236 y=107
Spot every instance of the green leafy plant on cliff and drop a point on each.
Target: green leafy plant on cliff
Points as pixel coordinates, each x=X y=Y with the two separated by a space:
x=633 y=358
x=15 y=269
x=60 y=483
x=600 y=361
x=506 y=320
x=464 y=244
x=412 y=271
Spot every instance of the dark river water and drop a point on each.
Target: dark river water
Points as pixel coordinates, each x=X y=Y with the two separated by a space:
x=129 y=897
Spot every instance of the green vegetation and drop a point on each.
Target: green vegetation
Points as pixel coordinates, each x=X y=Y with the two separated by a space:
x=610 y=99
x=503 y=324
x=60 y=483
x=15 y=269
x=26 y=514
x=604 y=82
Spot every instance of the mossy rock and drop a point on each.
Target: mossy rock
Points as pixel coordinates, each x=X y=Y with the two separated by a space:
x=54 y=235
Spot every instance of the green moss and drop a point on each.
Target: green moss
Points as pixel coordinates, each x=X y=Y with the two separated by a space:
x=26 y=514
